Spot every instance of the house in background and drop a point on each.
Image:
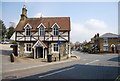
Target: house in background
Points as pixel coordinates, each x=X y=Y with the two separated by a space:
x=107 y=42
x=38 y=37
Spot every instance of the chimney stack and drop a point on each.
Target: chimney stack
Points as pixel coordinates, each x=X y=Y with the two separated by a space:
x=24 y=13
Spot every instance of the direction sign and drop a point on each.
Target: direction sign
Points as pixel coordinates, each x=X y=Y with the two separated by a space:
x=59 y=42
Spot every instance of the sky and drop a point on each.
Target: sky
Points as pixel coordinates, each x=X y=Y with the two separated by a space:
x=87 y=18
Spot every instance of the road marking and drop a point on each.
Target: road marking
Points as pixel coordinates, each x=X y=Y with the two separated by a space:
x=91 y=62
x=56 y=72
x=37 y=66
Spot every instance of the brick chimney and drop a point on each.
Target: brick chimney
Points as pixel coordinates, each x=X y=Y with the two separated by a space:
x=24 y=13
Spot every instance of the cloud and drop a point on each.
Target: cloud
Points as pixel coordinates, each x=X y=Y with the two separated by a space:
x=94 y=23
x=14 y=23
x=39 y=15
x=86 y=30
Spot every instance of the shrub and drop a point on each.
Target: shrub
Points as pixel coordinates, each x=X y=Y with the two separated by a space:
x=14 y=42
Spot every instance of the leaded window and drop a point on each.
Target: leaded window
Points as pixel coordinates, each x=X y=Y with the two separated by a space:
x=28 y=47
x=42 y=31
x=55 y=48
x=55 y=30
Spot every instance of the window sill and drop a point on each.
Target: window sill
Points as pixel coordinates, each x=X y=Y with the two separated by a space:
x=55 y=52
x=28 y=51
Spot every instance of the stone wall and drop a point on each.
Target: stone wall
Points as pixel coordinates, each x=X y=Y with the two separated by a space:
x=62 y=48
x=22 y=53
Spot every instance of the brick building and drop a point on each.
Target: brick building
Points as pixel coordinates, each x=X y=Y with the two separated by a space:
x=107 y=42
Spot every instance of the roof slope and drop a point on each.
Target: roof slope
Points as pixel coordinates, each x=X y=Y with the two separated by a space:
x=63 y=22
x=109 y=35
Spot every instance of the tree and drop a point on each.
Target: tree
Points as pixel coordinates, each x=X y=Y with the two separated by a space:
x=77 y=43
x=3 y=29
x=10 y=32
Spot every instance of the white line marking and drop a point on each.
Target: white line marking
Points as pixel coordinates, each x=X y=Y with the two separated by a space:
x=55 y=72
x=37 y=66
x=92 y=62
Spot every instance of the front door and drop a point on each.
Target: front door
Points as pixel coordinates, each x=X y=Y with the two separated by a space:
x=39 y=52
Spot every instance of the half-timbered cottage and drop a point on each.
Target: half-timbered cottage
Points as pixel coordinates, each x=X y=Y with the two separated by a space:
x=38 y=37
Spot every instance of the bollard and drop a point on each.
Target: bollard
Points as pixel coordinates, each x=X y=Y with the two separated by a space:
x=12 y=58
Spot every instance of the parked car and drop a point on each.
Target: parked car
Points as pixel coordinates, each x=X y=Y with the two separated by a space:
x=5 y=42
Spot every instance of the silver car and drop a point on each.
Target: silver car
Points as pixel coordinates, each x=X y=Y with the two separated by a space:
x=5 y=42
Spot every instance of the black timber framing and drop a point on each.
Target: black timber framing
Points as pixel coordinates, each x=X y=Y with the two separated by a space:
x=69 y=36
x=46 y=37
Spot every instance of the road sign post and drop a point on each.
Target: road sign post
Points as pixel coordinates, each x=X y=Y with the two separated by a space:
x=59 y=43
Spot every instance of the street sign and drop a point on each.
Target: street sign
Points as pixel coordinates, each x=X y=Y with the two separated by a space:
x=59 y=42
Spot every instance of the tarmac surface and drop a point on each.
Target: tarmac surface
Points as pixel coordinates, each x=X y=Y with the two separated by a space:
x=88 y=66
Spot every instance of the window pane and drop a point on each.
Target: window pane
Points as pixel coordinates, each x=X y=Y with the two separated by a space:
x=28 y=32
x=55 y=31
x=55 y=48
x=105 y=48
x=28 y=47
x=42 y=32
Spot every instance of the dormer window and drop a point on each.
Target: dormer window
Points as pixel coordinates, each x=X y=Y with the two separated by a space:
x=27 y=30
x=55 y=29
x=41 y=29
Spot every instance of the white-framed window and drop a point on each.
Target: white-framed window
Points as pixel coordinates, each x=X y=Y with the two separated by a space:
x=28 y=32
x=27 y=29
x=41 y=30
x=105 y=41
x=28 y=47
x=55 y=47
x=55 y=30
x=105 y=48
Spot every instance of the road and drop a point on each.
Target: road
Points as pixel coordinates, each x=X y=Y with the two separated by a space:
x=89 y=66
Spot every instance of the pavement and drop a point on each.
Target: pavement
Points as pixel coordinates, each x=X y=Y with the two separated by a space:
x=22 y=63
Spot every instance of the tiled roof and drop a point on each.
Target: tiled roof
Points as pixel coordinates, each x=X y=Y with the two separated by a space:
x=109 y=35
x=63 y=22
